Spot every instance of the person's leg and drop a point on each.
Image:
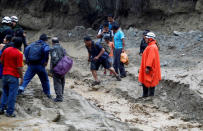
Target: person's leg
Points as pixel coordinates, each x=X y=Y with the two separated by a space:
x=94 y=67
x=145 y=91
x=63 y=84
x=151 y=91
x=113 y=72
x=107 y=65
x=121 y=65
x=29 y=74
x=43 y=76
x=94 y=73
x=1 y=87
x=5 y=93
x=111 y=63
x=104 y=71
x=58 y=88
x=116 y=60
x=13 y=91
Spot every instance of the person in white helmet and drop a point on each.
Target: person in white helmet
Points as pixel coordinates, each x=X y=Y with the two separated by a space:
x=150 y=70
x=5 y=29
x=18 y=30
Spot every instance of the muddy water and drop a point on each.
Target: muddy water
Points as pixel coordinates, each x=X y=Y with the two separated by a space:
x=121 y=99
x=143 y=114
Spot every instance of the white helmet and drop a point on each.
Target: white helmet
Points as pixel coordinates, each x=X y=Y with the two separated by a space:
x=6 y=20
x=150 y=35
x=14 y=18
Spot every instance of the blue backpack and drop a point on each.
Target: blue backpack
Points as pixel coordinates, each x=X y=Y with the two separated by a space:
x=35 y=52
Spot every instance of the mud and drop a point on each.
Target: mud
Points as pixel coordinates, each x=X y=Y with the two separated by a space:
x=117 y=106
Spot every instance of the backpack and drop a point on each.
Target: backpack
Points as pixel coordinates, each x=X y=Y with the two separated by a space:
x=57 y=53
x=35 y=52
x=106 y=47
x=63 y=66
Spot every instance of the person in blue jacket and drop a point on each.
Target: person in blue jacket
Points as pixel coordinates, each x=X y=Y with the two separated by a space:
x=37 y=56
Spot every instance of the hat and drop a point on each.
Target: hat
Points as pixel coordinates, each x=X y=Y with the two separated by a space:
x=150 y=35
x=43 y=37
x=6 y=20
x=87 y=38
x=115 y=26
x=14 y=18
x=55 y=40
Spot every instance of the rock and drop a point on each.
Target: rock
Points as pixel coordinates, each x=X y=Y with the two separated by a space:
x=49 y=114
x=199 y=6
x=171 y=7
x=177 y=33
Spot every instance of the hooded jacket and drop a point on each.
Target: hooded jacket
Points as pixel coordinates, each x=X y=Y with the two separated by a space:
x=150 y=58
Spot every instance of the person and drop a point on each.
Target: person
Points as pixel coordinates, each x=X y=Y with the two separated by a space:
x=110 y=20
x=12 y=60
x=97 y=57
x=7 y=42
x=5 y=29
x=150 y=72
x=57 y=53
x=119 y=44
x=37 y=56
x=143 y=44
x=104 y=31
x=18 y=30
x=111 y=45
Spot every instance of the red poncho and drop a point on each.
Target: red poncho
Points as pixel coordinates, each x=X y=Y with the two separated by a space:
x=150 y=58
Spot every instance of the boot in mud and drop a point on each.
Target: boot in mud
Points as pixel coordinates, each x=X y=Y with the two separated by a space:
x=1 y=112
x=145 y=91
x=95 y=83
x=151 y=91
x=118 y=78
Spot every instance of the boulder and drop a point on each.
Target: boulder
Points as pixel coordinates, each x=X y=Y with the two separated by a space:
x=199 y=6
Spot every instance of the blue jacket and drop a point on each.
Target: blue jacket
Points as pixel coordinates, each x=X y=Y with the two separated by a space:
x=46 y=49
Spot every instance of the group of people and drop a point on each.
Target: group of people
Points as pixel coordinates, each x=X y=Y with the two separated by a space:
x=12 y=36
x=111 y=34
x=13 y=82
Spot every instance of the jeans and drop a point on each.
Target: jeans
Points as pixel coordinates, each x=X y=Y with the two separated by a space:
x=1 y=87
x=148 y=91
x=59 y=83
x=10 y=91
x=42 y=74
x=118 y=65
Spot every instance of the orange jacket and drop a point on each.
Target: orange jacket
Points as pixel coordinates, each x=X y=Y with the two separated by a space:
x=150 y=58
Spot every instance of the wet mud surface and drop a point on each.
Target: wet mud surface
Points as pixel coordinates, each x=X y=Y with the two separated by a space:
x=117 y=106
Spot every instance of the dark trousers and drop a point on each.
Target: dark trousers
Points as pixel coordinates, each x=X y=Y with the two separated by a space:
x=118 y=65
x=148 y=91
x=59 y=83
x=10 y=91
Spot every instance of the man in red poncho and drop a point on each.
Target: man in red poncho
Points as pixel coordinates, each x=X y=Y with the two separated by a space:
x=150 y=70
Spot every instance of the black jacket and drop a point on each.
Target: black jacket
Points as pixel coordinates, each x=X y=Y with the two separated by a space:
x=143 y=45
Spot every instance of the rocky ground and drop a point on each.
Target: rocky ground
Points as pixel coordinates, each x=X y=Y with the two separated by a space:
x=117 y=106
